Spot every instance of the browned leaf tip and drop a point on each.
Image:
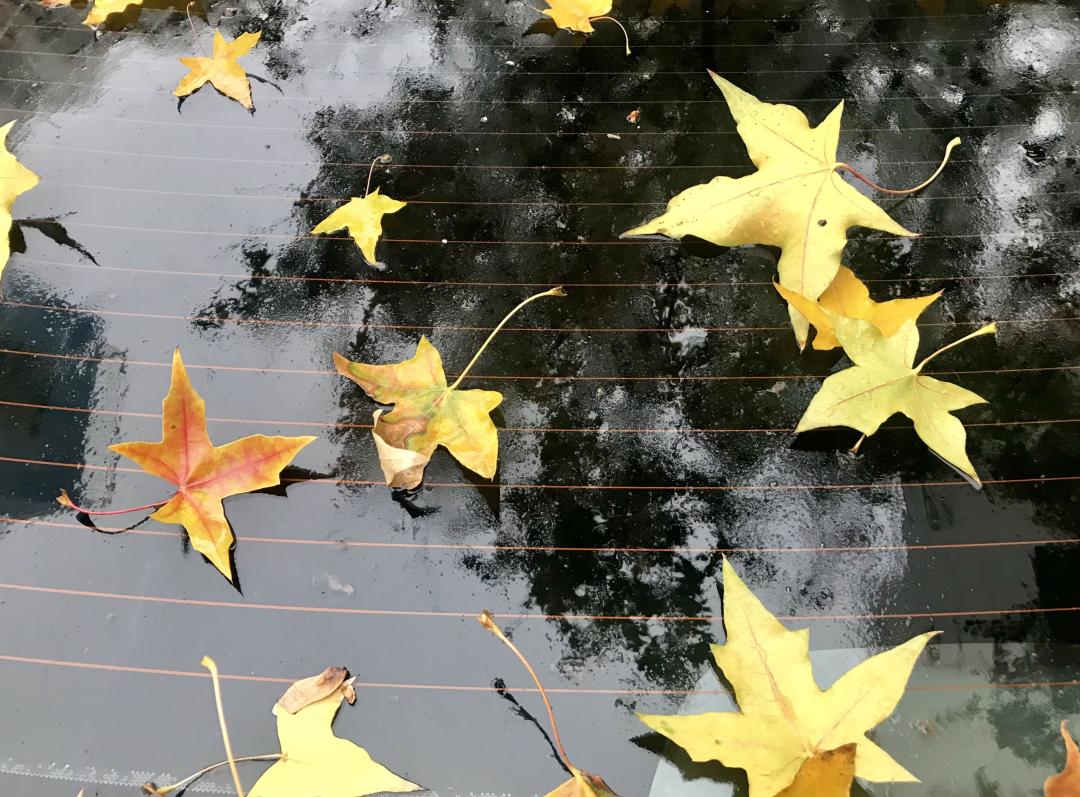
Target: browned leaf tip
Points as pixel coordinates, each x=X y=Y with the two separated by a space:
x=582 y=784
x=634 y=116
x=486 y=619
x=65 y=500
x=309 y=690
x=151 y=788
x=349 y=691
x=598 y=785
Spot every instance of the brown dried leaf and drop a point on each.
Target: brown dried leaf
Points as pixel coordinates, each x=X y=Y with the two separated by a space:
x=308 y=690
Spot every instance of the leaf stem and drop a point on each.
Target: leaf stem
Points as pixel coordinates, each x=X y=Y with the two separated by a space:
x=624 y=33
x=211 y=665
x=487 y=620
x=371 y=169
x=989 y=329
x=65 y=500
x=194 y=35
x=556 y=291
x=162 y=791
x=902 y=191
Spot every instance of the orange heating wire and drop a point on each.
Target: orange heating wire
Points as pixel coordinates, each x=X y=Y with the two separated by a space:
x=601 y=487
x=529 y=242
x=560 y=549
x=465 y=327
x=524 y=689
x=526 y=377
x=524 y=429
x=465 y=615
x=477 y=283
x=497 y=102
x=698 y=72
x=569 y=690
x=312 y=198
x=490 y=133
x=514 y=167
x=524 y=46
x=727 y=18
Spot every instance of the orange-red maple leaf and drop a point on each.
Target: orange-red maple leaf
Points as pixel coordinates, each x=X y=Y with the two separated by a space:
x=204 y=473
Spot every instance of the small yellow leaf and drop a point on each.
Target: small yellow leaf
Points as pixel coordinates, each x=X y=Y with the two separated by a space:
x=884 y=381
x=222 y=71
x=317 y=763
x=362 y=217
x=103 y=9
x=827 y=774
x=795 y=200
x=15 y=179
x=576 y=14
x=1067 y=782
x=785 y=719
x=848 y=296
x=427 y=414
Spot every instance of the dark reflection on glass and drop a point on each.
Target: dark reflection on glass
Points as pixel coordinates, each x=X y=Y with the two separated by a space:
x=52 y=229
x=43 y=381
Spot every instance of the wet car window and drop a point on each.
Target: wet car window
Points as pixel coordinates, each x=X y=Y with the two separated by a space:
x=646 y=430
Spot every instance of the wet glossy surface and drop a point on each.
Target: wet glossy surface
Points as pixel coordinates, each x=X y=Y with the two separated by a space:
x=648 y=409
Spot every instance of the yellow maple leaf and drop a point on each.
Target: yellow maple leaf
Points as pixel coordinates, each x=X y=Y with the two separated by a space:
x=316 y=762
x=576 y=14
x=362 y=217
x=104 y=8
x=1067 y=782
x=15 y=179
x=884 y=380
x=427 y=413
x=579 y=15
x=222 y=71
x=786 y=719
x=203 y=473
x=796 y=200
x=848 y=296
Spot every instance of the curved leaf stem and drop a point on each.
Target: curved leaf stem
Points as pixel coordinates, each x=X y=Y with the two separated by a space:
x=989 y=329
x=556 y=291
x=194 y=35
x=902 y=191
x=380 y=159
x=162 y=791
x=488 y=621
x=211 y=665
x=624 y=33
x=65 y=500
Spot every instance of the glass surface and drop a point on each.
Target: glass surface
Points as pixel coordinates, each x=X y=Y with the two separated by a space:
x=647 y=416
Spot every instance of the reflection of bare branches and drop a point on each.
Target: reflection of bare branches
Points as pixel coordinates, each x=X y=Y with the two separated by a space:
x=52 y=229
x=500 y=686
